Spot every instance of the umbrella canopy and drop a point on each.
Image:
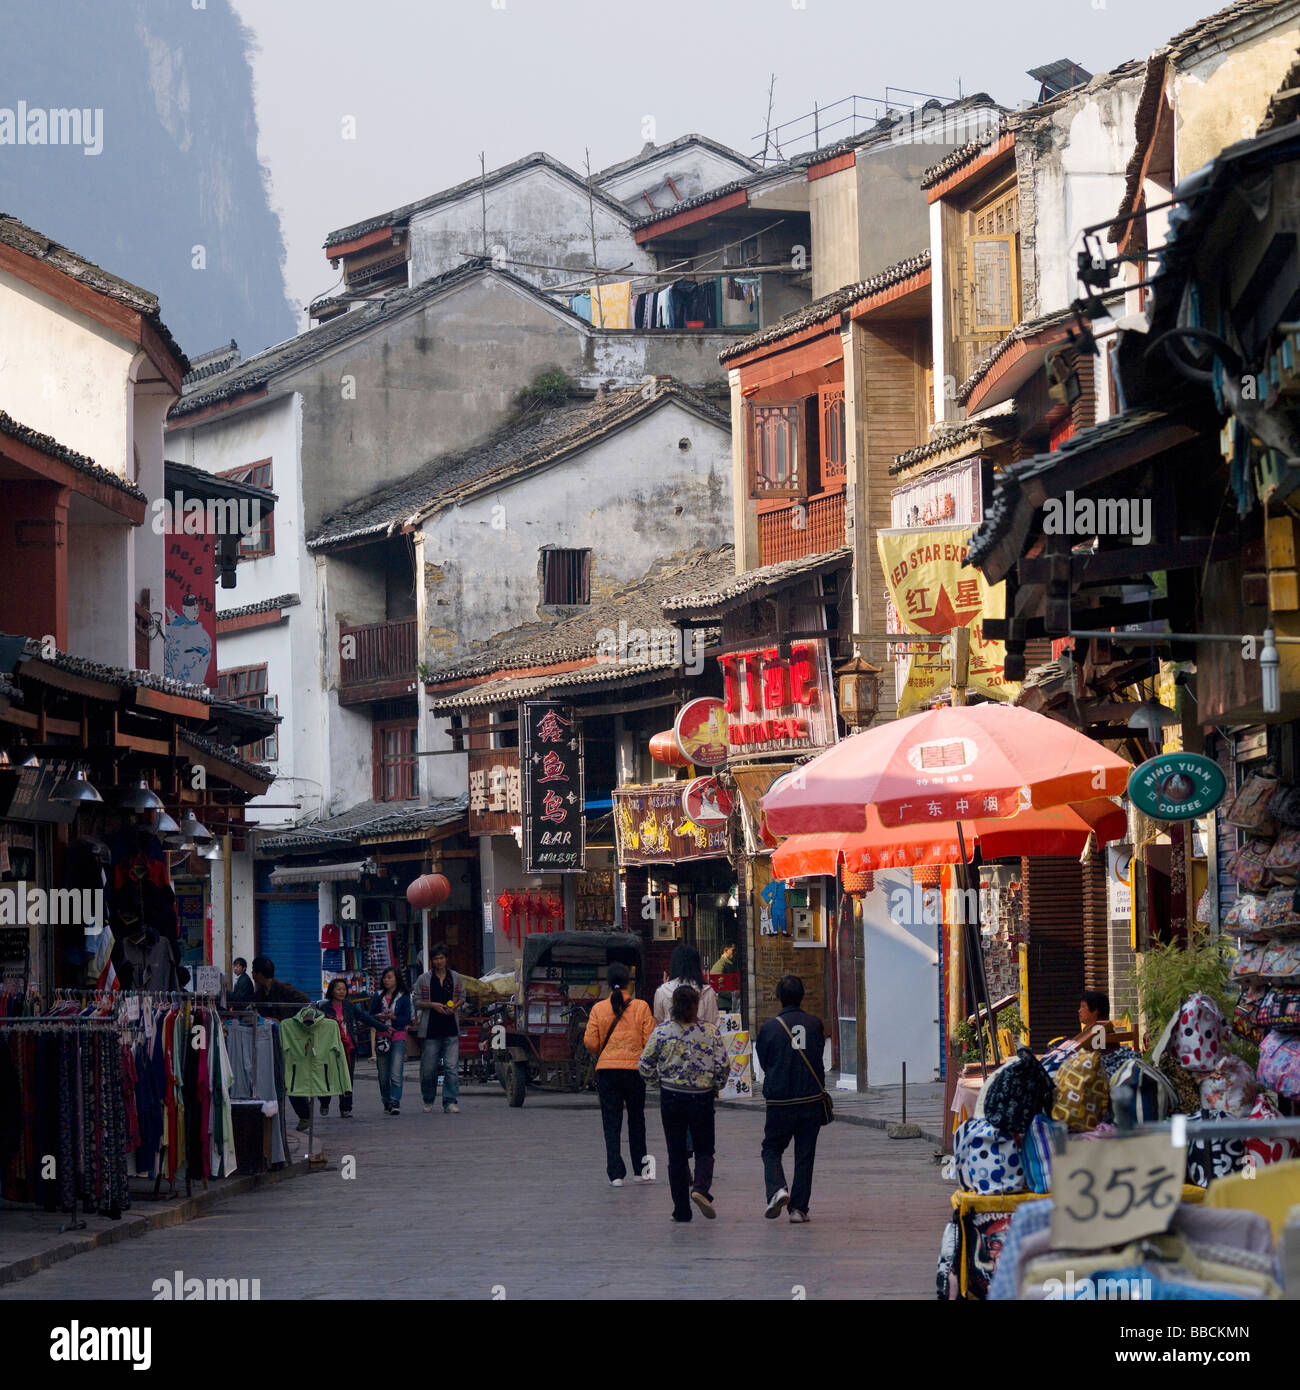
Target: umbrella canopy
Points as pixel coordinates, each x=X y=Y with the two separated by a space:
x=953 y=763
x=1056 y=830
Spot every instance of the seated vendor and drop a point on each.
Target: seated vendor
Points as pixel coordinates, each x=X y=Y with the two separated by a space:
x=1094 y=1010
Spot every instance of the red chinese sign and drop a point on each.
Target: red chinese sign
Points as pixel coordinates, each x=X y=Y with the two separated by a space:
x=778 y=704
x=190 y=651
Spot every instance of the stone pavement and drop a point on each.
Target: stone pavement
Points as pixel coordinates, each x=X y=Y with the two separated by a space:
x=879 y=1106
x=516 y=1201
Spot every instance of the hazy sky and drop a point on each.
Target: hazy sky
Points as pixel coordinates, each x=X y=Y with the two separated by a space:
x=430 y=83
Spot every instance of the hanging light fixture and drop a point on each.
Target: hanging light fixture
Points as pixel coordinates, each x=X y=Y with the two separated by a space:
x=140 y=797
x=213 y=851
x=75 y=790
x=1150 y=717
x=1270 y=674
x=192 y=829
x=164 y=824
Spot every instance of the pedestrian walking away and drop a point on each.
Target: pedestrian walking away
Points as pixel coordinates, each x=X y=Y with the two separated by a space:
x=686 y=968
x=439 y=993
x=391 y=1008
x=789 y=1050
x=618 y=1029
x=687 y=1057
x=347 y=1015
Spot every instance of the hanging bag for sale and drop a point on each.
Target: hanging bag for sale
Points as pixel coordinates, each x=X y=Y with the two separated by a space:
x=1154 y=1095
x=1082 y=1098
x=1016 y=1093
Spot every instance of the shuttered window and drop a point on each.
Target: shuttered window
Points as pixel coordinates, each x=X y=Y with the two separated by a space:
x=777 y=450
x=566 y=577
x=397 y=769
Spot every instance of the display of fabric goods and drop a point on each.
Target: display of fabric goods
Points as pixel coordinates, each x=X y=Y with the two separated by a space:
x=1246 y=1012
x=1230 y=1088
x=1279 y=915
x=1279 y=1064
x=1278 y=1009
x=1281 y=961
x=1150 y=1094
x=1284 y=806
x=1016 y=1093
x=1249 y=960
x=257 y=1090
x=983 y=1236
x=1283 y=860
x=1243 y=918
x=1082 y=1098
x=1249 y=866
x=73 y=1103
x=1265 y=1148
x=1250 y=809
x=987 y=1160
x=1036 y=1154
x=1209 y=1158
x=947 y=1276
x=1199 y=1035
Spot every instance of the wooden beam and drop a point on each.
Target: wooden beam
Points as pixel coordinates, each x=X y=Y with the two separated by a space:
x=146 y=698
x=158 y=747
x=56 y=676
x=1133 y=560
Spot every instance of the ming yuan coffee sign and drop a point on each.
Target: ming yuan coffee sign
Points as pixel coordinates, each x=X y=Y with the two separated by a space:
x=778 y=704
x=1177 y=786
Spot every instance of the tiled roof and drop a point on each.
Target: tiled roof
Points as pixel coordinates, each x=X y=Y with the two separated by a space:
x=753 y=584
x=35 y=440
x=1028 y=329
x=114 y=675
x=516 y=448
x=946 y=437
x=1205 y=31
x=227 y=755
x=1284 y=105
x=700 y=199
x=639 y=605
x=258 y=370
x=1009 y=517
x=266 y=605
x=403 y=214
x=180 y=474
x=367 y=820
x=512 y=689
x=820 y=310
x=31 y=243
x=212 y=363
x=1144 y=124
x=963 y=155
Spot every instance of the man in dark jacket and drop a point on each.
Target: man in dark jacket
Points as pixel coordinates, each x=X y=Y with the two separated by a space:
x=270 y=997
x=241 y=991
x=789 y=1051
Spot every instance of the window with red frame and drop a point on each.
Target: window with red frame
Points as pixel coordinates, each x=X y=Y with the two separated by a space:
x=397 y=769
x=777 y=459
x=246 y=685
x=834 y=436
x=261 y=541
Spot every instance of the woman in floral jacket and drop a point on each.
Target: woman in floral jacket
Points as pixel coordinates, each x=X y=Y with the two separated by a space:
x=690 y=1062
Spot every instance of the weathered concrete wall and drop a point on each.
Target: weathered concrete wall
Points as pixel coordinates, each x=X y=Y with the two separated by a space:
x=693 y=169
x=836 y=250
x=631 y=499
x=537 y=217
x=1221 y=98
x=618 y=357
x=1072 y=174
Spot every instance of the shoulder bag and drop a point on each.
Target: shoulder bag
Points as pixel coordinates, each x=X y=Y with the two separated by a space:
x=828 y=1105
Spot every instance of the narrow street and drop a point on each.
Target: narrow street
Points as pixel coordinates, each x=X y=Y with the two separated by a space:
x=459 y=1206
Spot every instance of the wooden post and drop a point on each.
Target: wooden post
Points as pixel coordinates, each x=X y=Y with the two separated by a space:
x=595 y=264
x=228 y=898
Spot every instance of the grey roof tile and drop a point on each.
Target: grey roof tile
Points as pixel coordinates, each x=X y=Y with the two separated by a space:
x=366 y=820
x=266 y=605
x=743 y=588
x=35 y=440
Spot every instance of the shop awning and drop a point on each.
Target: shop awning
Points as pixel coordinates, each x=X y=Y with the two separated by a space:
x=325 y=873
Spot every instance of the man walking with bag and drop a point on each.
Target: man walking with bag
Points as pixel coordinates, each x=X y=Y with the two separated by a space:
x=789 y=1050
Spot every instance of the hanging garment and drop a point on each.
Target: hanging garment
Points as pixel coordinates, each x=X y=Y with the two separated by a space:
x=314 y=1060
x=581 y=305
x=611 y=305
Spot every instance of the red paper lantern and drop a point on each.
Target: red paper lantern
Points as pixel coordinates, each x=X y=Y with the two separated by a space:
x=927 y=875
x=858 y=882
x=664 y=749
x=428 y=891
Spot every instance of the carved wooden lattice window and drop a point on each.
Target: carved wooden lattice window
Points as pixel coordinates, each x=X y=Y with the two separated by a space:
x=834 y=436
x=777 y=459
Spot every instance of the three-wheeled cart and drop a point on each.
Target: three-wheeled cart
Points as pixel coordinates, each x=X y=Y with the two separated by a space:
x=540 y=1040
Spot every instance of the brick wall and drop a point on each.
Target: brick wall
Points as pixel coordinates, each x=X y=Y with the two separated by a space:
x=775 y=956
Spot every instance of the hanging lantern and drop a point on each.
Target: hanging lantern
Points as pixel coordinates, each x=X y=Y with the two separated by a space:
x=554 y=912
x=508 y=904
x=927 y=875
x=428 y=891
x=857 y=882
x=664 y=749
x=858 y=687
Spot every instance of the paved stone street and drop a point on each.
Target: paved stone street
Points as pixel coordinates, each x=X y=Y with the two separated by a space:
x=450 y=1206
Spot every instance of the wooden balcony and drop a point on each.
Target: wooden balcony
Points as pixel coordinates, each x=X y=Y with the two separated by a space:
x=813 y=527
x=382 y=661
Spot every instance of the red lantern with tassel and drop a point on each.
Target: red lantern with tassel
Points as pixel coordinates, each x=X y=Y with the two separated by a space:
x=554 y=909
x=509 y=905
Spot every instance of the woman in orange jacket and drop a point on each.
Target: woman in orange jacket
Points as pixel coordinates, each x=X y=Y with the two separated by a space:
x=618 y=1029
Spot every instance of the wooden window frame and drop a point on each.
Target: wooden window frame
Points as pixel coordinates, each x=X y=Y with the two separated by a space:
x=265 y=750
x=266 y=531
x=799 y=475
x=407 y=771
x=833 y=470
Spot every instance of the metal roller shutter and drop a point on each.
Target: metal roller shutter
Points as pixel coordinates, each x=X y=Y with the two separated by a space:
x=289 y=932
x=1054 y=914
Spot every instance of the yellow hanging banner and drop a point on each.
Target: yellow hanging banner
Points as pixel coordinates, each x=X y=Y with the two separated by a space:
x=933 y=592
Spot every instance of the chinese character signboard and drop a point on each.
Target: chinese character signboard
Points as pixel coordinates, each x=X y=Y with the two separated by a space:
x=933 y=592
x=551 y=794
x=651 y=826
x=777 y=704
x=495 y=795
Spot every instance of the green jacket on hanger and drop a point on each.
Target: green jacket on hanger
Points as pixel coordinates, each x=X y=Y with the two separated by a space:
x=314 y=1061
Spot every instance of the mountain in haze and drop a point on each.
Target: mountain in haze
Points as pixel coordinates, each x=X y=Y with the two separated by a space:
x=176 y=198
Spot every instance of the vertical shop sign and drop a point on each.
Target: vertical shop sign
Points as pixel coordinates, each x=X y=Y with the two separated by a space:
x=553 y=809
x=190 y=651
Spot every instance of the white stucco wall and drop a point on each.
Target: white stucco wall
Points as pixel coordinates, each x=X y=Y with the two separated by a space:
x=902 y=987
x=535 y=216
x=631 y=499
x=65 y=375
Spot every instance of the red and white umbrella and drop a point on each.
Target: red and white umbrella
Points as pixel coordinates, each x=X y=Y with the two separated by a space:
x=953 y=763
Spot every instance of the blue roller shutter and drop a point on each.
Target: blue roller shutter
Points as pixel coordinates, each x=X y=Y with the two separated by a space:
x=289 y=932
